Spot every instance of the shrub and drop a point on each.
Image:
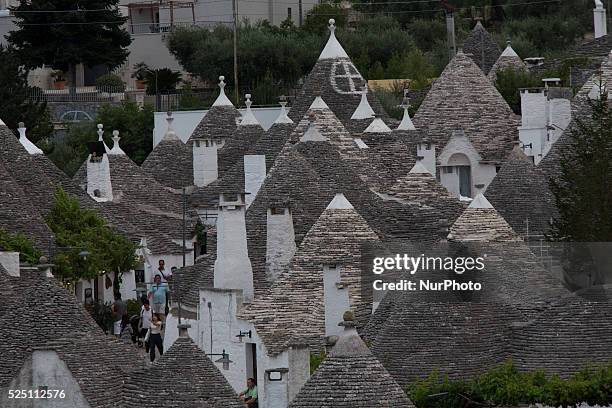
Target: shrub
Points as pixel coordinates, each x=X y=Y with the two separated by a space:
x=316 y=360
x=506 y=386
x=509 y=81
x=110 y=82
x=19 y=243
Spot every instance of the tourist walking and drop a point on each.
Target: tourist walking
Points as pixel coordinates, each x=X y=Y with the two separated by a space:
x=145 y=322
x=155 y=338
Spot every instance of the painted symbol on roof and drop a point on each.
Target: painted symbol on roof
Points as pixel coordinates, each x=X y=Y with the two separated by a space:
x=345 y=79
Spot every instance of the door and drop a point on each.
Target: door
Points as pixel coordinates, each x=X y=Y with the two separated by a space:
x=251 y=360
x=465 y=183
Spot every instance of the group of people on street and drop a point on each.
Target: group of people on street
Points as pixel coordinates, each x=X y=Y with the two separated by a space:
x=152 y=312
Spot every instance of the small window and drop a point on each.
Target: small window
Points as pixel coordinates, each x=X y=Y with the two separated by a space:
x=97 y=193
x=277 y=210
x=447 y=169
x=289 y=13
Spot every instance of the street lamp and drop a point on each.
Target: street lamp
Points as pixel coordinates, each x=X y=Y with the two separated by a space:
x=224 y=360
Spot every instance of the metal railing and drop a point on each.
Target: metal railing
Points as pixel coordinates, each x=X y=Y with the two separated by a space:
x=79 y=94
x=166 y=27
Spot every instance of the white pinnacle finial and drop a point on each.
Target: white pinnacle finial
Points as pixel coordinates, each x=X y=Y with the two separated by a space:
x=29 y=146
x=282 y=116
x=332 y=49
x=100 y=132
x=248 y=118
x=170 y=133
x=116 y=150
x=406 y=123
x=100 y=136
x=222 y=99
x=598 y=4
x=364 y=110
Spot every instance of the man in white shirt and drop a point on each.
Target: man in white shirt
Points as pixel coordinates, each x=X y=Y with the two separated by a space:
x=165 y=274
x=145 y=321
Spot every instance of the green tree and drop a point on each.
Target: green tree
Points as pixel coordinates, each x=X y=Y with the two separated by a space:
x=134 y=124
x=19 y=243
x=64 y=33
x=583 y=190
x=17 y=102
x=162 y=80
x=77 y=230
x=317 y=19
x=509 y=81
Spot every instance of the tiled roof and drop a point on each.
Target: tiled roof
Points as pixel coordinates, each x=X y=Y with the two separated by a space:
x=350 y=376
x=18 y=215
x=520 y=194
x=336 y=238
x=463 y=98
x=482 y=48
x=420 y=186
x=338 y=82
x=183 y=376
x=481 y=222
x=99 y=364
x=581 y=109
x=36 y=310
x=508 y=59
x=171 y=162
x=218 y=123
x=566 y=337
x=460 y=339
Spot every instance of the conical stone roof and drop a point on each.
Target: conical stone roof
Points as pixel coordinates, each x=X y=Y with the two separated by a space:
x=337 y=238
x=336 y=79
x=221 y=119
x=463 y=98
x=482 y=48
x=508 y=59
x=480 y=222
x=184 y=375
x=350 y=377
x=520 y=194
x=171 y=161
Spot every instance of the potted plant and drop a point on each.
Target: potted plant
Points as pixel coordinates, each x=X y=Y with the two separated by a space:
x=59 y=79
x=140 y=73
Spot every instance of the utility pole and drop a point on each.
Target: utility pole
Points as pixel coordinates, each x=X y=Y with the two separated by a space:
x=235 y=10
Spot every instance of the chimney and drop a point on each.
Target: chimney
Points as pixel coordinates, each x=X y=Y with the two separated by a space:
x=336 y=299
x=280 y=243
x=599 y=17
x=183 y=329
x=233 y=266
x=426 y=154
x=99 y=184
x=10 y=261
x=205 y=166
x=450 y=32
x=254 y=175
x=29 y=146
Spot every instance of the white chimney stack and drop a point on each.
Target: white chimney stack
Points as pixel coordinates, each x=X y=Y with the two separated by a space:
x=280 y=243
x=599 y=17
x=426 y=152
x=29 y=146
x=336 y=298
x=233 y=267
x=205 y=165
x=254 y=175
x=99 y=184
